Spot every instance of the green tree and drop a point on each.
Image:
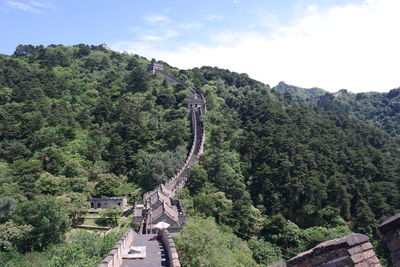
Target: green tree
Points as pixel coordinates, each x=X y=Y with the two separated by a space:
x=7 y=208
x=197 y=178
x=365 y=221
x=111 y=215
x=48 y=219
x=11 y=234
x=26 y=173
x=75 y=204
x=264 y=252
x=49 y=184
x=213 y=204
x=106 y=184
x=202 y=243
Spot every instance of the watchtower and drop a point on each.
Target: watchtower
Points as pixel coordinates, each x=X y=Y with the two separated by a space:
x=196 y=102
x=154 y=67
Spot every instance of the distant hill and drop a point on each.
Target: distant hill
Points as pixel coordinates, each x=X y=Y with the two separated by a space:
x=288 y=172
x=381 y=110
x=299 y=93
x=378 y=109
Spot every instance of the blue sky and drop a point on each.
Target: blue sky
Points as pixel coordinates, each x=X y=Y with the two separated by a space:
x=331 y=44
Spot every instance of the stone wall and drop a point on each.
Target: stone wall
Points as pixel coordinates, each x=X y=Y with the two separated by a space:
x=103 y=203
x=390 y=233
x=351 y=250
x=177 y=182
x=114 y=258
x=169 y=246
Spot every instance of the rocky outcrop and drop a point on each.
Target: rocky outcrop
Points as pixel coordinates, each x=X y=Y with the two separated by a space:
x=390 y=233
x=351 y=250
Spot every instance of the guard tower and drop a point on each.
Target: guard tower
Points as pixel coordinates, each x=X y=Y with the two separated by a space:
x=197 y=103
x=154 y=67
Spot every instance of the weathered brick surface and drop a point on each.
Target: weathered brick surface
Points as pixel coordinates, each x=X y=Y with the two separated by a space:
x=390 y=233
x=395 y=256
x=363 y=256
x=339 y=262
x=390 y=224
x=394 y=245
x=355 y=250
x=367 y=246
x=351 y=250
x=374 y=260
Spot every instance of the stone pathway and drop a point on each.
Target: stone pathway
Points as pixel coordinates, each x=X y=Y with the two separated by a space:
x=155 y=254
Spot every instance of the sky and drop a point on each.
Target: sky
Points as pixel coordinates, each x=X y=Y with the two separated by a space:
x=330 y=44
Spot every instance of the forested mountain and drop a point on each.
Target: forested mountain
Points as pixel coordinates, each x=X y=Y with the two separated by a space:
x=274 y=167
x=79 y=122
x=281 y=174
x=299 y=93
x=381 y=110
x=378 y=109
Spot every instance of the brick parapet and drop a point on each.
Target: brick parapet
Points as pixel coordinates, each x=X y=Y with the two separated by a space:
x=170 y=247
x=389 y=231
x=114 y=258
x=351 y=250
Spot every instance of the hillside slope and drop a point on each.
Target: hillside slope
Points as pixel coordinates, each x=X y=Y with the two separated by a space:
x=80 y=122
x=281 y=174
x=290 y=173
x=381 y=110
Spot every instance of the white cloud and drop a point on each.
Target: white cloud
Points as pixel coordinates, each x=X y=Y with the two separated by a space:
x=159 y=35
x=22 y=6
x=353 y=46
x=236 y=1
x=42 y=5
x=189 y=26
x=157 y=19
x=31 y=7
x=214 y=17
x=151 y=38
x=312 y=8
x=133 y=47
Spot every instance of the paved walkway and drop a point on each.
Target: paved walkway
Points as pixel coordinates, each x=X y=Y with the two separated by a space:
x=155 y=254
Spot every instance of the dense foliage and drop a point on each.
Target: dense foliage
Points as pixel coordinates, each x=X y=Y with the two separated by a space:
x=203 y=243
x=298 y=93
x=283 y=175
x=268 y=155
x=381 y=110
x=81 y=249
x=80 y=122
x=378 y=109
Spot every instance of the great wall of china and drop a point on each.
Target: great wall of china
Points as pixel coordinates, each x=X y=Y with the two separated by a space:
x=159 y=206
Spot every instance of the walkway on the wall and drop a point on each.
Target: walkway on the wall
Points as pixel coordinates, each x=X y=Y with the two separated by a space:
x=156 y=255
x=157 y=252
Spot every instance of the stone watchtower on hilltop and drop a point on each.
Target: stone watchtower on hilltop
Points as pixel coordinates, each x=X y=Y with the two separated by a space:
x=154 y=67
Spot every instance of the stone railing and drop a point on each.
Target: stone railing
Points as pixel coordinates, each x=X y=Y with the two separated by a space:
x=114 y=258
x=169 y=246
x=390 y=233
x=351 y=250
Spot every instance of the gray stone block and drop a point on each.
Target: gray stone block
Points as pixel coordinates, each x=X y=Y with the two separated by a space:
x=329 y=246
x=390 y=224
x=395 y=256
x=339 y=262
x=394 y=245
